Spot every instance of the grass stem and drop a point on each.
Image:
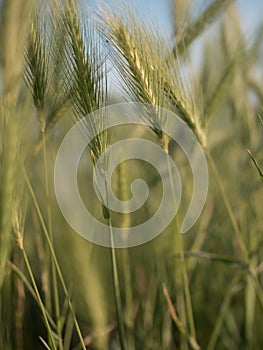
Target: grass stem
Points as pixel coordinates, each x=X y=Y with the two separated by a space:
x=49 y=220
x=117 y=294
x=41 y=305
x=180 y=244
x=59 y=272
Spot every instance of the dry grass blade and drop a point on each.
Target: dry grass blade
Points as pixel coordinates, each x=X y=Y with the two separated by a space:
x=256 y=164
x=192 y=341
x=44 y=343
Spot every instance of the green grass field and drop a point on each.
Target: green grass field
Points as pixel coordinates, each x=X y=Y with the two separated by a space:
x=61 y=61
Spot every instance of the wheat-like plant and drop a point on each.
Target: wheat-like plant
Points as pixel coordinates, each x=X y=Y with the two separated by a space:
x=57 y=60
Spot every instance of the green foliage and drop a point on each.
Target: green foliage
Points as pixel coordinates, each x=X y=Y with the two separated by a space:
x=203 y=290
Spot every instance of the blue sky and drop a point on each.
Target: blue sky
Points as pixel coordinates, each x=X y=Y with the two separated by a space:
x=161 y=11
x=250 y=10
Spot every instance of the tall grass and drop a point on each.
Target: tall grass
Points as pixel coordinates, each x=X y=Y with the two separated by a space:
x=203 y=290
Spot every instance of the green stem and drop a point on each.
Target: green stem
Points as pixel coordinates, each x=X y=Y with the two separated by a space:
x=116 y=284
x=180 y=243
x=222 y=312
x=228 y=207
x=53 y=268
x=236 y=229
x=41 y=305
x=60 y=275
x=8 y=168
x=46 y=263
x=254 y=280
x=126 y=223
x=117 y=294
x=30 y=289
